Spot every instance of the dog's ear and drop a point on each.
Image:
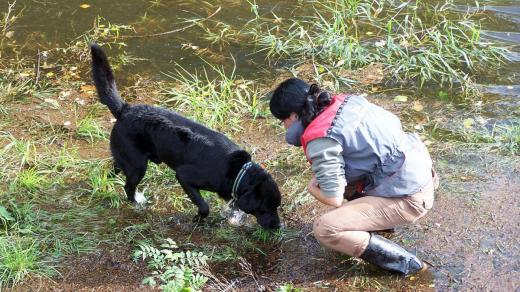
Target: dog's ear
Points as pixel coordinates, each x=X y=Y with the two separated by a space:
x=249 y=202
x=251 y=199
x=235 y=162
x=268 y=190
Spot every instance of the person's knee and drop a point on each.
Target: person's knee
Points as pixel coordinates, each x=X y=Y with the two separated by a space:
x=322 y=230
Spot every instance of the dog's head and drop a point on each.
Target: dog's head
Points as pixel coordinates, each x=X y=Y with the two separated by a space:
x=259 y=196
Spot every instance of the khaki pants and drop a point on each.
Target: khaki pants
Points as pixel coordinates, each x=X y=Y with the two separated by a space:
x=344 y=229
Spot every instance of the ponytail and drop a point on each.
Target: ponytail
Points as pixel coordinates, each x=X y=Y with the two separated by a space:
x=315 y=103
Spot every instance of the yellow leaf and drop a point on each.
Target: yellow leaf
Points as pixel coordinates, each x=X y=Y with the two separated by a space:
x=468 y=123
x=84 y=6
x=401 y=98
x=417 y=106
x=412 y=278
x=87 y=88
x=369 y=33
x=50 y=74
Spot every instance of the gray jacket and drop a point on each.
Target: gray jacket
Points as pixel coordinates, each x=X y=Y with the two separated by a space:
x=375 y=149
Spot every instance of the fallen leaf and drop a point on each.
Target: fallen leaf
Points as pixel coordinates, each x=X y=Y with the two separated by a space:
x=65 y=94
x=88 y=88
x=340 y=63
x=468 y=123
x=401 y=98
x=84 y=6
x=49 y=74
x=412 y=278
x=79 y=101
x=9 y=34
x=52 y=102
x=417 y=106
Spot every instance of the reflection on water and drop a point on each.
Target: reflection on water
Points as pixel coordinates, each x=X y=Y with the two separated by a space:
x=52 y=23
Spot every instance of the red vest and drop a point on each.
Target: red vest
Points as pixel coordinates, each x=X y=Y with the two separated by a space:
x=319 y=126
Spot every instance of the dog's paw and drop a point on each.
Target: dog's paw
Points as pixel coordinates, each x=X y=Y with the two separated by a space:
x=237 y=217
x=139 y=198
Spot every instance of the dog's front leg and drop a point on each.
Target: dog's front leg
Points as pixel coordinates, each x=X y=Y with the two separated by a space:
x=195 y=197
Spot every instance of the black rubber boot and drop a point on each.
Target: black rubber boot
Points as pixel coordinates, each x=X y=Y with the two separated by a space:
x=390 y=256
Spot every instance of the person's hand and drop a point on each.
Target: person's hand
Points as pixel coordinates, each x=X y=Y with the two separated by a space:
x=313 y=187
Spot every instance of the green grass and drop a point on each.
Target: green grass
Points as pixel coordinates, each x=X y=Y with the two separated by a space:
x=103 y=185
x=219 y=102
x=18 y=258
x=90 y=130
x=418 y=43
x=29 y=180
x=508 y=138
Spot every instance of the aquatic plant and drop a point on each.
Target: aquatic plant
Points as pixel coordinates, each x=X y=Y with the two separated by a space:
x=417 y=43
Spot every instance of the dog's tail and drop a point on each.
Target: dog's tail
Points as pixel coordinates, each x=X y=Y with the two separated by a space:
x=105 y=81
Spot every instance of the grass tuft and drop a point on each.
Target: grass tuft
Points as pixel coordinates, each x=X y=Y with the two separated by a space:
x=218 y=102
x=418 y=43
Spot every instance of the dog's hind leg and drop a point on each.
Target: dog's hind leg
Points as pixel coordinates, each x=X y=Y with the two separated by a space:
x=184 y=176
x=134 y=168
x=116 y=168
x=134 y=175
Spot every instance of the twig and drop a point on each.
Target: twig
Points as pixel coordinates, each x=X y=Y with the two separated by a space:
x=175 y=30
x=37 y=69
x=248 y=270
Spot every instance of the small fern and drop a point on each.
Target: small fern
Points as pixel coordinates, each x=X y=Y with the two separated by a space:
x=173 y=270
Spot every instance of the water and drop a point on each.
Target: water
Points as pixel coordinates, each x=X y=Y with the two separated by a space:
x=46 y=24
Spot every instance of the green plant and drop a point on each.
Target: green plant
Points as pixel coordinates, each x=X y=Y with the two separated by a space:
x=509 y=138
x=103 y=185
x=90 y=130
x=18 y=258
x=415 y=42
x=30 y=180
x=173 y=270
x=5 y=216
x=219 y=102
x=289 y=287
x=221 y=33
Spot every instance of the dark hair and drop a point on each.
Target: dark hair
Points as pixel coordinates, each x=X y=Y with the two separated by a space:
x=296 y=96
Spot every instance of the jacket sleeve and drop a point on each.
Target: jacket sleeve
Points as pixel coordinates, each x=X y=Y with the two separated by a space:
x=328 y=165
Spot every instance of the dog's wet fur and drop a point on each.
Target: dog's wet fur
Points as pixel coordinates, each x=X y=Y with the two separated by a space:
x=202 y=159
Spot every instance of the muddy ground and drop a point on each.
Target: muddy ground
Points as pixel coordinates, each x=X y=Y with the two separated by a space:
x=470 y=237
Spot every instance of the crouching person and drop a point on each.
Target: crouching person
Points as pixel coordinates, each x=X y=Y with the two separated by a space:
x=350 y=141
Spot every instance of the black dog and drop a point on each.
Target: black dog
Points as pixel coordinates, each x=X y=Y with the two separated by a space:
x=203 y=159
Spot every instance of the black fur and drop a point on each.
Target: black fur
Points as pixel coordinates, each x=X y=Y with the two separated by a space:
x=203 y=159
